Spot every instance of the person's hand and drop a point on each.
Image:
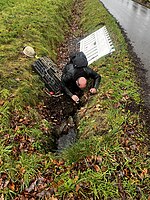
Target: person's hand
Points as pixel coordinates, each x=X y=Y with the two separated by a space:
x=93 y=90
x=75 y=98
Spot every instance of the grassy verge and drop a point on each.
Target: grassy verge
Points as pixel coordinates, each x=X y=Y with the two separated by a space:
x=112 y=123
x=43 y=26
x=110 y=159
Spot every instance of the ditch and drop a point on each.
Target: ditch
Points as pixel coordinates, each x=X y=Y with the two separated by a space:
x=61 y=110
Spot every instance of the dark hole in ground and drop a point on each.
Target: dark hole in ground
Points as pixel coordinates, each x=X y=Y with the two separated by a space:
x=60 y=112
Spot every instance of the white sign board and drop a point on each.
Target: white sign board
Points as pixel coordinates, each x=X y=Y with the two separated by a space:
x=97 y=45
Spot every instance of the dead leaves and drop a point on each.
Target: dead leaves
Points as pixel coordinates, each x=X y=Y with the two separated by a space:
x=18 y=120
x=109 y=93
x=1 y=102
x=11 y=186
x=6 y=182
x=97 y=168
x=46 y=186
x=77 y=187
x=90 y=162
x=24 y=143
x=38 y=184
x=143 y=173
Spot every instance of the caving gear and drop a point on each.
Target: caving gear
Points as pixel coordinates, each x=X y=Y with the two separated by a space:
x=78 y=59
x=29 y=51
x=49 y=73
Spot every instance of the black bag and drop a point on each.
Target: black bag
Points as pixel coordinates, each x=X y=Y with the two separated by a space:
x=78 y=60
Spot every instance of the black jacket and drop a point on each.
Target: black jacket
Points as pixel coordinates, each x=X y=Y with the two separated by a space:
x=71 y=74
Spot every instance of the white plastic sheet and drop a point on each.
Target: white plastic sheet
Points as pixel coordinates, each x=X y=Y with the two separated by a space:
x=97 y=45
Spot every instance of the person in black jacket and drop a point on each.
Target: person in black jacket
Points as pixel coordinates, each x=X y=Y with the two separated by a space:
x=74 y=80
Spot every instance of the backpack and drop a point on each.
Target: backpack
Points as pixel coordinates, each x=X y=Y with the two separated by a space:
x=78 y=60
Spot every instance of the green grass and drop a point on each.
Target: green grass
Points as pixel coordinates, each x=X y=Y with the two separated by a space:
x=41 y=26
x=110 y=156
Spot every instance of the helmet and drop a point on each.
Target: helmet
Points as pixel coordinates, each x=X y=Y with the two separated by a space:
x=29 y=51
